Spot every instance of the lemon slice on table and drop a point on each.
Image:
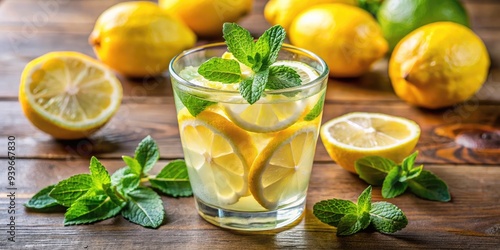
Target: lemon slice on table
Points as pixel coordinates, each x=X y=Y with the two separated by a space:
x=277 y=116
x=69 y=95
x=355 y=135
x=219 y=155
x=281 y=172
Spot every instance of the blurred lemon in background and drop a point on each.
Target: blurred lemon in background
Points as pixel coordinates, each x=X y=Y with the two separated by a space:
x=205 y=17
x=139 y=39
x=69 y=95
x=283 y=12
x=346 y=37
x=438 y=65
x=398 y=18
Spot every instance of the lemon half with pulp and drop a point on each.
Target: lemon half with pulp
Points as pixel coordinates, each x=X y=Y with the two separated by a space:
x=69 y=95
x=355 y=135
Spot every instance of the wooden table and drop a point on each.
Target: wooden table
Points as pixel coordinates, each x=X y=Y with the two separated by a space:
x=30 y=28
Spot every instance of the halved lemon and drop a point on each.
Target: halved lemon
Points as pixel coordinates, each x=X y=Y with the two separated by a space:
x=271 y=117
x=355 y=135
x=280 y=173
x=69 y=95
x=218 y=155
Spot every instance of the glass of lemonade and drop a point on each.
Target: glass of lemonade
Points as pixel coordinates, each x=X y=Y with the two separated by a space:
x=249 y=165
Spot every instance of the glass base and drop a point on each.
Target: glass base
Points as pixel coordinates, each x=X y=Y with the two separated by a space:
x=250 y=221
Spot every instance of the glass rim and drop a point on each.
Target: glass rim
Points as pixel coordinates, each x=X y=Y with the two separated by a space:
x=316 y=81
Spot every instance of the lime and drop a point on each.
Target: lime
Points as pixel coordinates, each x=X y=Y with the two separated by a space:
x=399 y=18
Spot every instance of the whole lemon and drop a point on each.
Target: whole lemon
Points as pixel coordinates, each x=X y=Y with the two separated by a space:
x=398 y=18
x=346 y=37
x=206 y=17
x=283 y=12
x=139 y=39
x=438 y=65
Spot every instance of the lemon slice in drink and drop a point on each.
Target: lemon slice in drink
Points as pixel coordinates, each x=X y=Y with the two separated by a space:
x=219 y=155
x=355 y=135
x=281 y=172
x=261 y=117
x=68 y=95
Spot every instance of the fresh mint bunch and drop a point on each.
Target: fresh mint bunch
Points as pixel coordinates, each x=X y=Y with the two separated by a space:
x=350 y=217
x=396 y=179
x=97 y=196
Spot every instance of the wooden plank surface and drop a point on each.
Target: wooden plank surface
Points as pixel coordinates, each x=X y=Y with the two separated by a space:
x=460 y=144
x=156 y=117
x=469 y=221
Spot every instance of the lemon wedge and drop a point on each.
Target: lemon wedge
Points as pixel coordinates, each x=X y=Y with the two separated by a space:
x=264 y=117
x=69 y=95
x=355 y=135
x=218 y=155
x=281 y=172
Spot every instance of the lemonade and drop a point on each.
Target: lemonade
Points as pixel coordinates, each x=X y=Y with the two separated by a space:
x=249 y=164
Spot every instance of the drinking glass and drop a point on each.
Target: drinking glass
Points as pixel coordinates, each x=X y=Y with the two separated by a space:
x=249 y=165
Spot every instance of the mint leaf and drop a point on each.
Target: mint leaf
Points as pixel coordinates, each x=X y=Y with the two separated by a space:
x=374 y=169
x=42 y=200
x=173 y=179
x=392 y=187
x=125 y=180
x=221 y=70
x=94 y=206
x=99 y=174
x=147 y=154
x=281 y=77
x=134 y=166
x=349 y=224
x=67 y=191
x=193 y=104
x=251 y=89
x=350 y=218
x=387 y=218
x=239 y=42
x=365 y=201
x=269 y=44
x=414 y=172
x=316 y=110
x=113 y=194
x=409 y=172
x=430 y=187
x=409 y=161
x=144 y=207
x=331 y=211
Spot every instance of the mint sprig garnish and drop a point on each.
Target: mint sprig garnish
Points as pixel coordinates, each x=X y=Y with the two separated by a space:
x=316 y=110
x=98 y=196
x=193 y=104
x=258 y=55
x=41 y=201
x=395 y=179
x=350 y=217
x=221 y=70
